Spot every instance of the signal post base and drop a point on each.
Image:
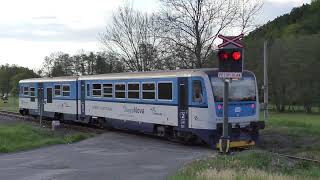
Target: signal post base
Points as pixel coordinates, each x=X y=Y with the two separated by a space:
x=224 y=145
x=237 y=145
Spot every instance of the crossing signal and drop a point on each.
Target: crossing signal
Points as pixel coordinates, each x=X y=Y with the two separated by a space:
x=230 y=56
x=230 y=60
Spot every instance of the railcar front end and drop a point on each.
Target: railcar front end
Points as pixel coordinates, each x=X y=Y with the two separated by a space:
x=243 y=111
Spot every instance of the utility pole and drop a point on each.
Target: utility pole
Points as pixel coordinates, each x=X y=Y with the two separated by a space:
x=265 y=77
x=225 y=140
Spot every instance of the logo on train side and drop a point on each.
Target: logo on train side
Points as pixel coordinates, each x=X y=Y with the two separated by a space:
x=134 y=110
x=155 y=112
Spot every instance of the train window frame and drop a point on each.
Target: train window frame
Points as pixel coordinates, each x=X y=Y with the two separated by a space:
x=63 y=91
x=149 y=91
x=112 y=90
x=201 y=90
x=134 y=91
x=24 y=91
x=97 y=90
x=165 y=82
x=32 y=94
x=60 y=90
x=115 y=90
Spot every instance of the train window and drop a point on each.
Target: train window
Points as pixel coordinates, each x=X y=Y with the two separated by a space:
x=165 y=91
x=66 y=90
x=88 y=90
x=107 y=90
x=197 y=94
x=57 y=90
x=120 y=90
x=26 y=91
x=96 y=90
x=148 y=91
x=32 y=94
x=134 y=91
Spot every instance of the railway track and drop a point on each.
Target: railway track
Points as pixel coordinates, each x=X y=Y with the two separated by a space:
x=47 y=123
x=94 y=129
x=296 y=157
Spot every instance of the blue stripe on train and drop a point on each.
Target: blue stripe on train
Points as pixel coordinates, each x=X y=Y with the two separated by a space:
x=237 y=109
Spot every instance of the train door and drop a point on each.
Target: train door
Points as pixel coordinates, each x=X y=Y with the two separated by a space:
x=40 y=98
x=183 y=103
x=49 y=95
x=82 y=99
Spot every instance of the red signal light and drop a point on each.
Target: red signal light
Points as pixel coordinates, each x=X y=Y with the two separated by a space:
x=223 y=55
x=236 y=55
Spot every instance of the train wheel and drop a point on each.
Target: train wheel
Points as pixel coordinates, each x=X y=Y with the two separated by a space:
x=58 y=117
x=160 y=131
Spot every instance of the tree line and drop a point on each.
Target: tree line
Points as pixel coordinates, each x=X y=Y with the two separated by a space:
x=10 y=75
x=83 y=63
x=293 y=68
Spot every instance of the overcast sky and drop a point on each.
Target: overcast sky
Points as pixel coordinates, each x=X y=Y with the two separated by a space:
x=31 y=30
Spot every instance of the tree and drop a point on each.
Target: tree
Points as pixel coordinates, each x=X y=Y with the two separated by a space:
x=14 y=81
x=10 y=75
x=132 y=37
x=194 y=25
x=58 y=64
x=84 y=63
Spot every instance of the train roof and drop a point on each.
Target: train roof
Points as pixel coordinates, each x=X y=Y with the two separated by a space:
x=130 y=75
x=127 y=75
x=50 y=79
x=148 y=74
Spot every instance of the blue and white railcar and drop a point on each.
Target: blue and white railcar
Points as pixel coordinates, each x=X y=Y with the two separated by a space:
x=184 y=104
x=57 y=97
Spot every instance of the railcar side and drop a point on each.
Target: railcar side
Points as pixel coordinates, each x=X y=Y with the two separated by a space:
x=57 y=98
x=183 y=104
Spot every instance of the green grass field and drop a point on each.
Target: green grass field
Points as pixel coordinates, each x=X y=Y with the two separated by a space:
x=294 y=134
x=22 y=136
x=12 y=105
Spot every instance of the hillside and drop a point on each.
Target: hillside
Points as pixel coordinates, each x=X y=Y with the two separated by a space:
x=304 y=20
x=294 y=59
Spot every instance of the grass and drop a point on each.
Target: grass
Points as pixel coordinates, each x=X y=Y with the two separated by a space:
x=22 y=136
x=249 y=165
x=12 y=105
x=295 y=134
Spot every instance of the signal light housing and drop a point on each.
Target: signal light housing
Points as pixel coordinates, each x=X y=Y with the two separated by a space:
x=230 y=60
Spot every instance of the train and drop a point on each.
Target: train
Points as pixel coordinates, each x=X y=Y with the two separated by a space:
x=180 y=104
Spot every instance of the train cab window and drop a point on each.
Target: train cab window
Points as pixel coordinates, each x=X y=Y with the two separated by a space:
x=197 y=94
x=32 y=94
x=148 y=91
x=165 y=91
x=120 y=91
x=107 y=90
x=57 y=90
x=66 y=90
x=96 y=90
x=26 y=91
x=134 y=91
